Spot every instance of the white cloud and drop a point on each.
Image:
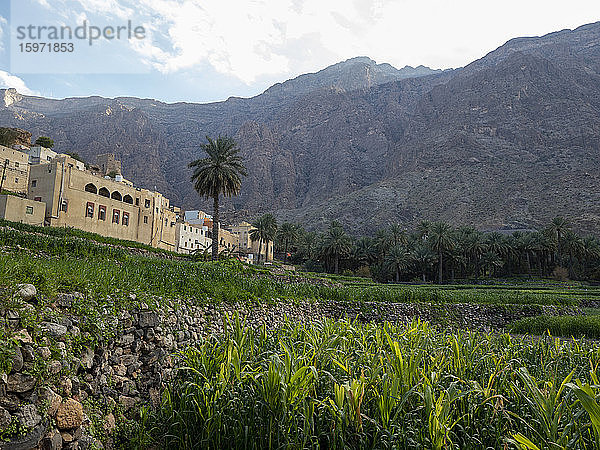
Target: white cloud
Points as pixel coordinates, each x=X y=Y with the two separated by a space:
x=264 y=37
x=3 y=24
x=11 y=81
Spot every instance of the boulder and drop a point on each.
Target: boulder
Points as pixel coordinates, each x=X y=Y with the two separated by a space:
x=27 y=292
x=148 y=319
x=28 y=416
x=17 y=360
x=54 y=330
x=5 y=418
x=52 y=441
x=69 y=415
x=20 y=383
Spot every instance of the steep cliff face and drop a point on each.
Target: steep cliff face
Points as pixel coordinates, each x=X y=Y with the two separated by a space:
x=507 y=141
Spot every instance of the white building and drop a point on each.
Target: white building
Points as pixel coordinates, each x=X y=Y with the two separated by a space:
x=190 y=237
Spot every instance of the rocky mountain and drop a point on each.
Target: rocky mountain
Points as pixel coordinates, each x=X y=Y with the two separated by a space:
x=509 y=141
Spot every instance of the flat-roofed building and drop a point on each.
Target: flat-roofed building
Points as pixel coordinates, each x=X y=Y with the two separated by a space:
x=40 y=155
x=79 y=199
x=191 y=237
x=249 y=247
x=14 y=170
x=23 y=210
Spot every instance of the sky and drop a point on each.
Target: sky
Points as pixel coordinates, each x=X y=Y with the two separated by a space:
x=209 y=50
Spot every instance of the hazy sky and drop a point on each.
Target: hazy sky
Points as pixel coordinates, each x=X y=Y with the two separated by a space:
x=204 y=50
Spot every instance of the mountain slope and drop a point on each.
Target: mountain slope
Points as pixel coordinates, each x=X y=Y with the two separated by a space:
x=508 y=141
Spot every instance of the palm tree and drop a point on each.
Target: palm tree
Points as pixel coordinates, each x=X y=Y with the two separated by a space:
x=287 y=234
x=440 y=240
x=397 y=235
x=219 y=173
x=397 y=260
x=364 y=250
x=491 y=261
x=337 y=244
x=265 y=228
x=559 y=226
x=423 y=258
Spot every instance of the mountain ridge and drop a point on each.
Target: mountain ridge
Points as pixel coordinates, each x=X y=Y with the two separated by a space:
x=505 y=141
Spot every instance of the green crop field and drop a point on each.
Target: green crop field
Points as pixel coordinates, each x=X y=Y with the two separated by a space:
x=346 y=385
x=336 y=384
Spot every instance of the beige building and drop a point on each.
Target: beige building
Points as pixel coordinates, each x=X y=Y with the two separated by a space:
x=23 y=210
x=79 y=199
x=227 y=240
x=14 y=170
x=190 y=237
x=40 y=155
x=247 y=246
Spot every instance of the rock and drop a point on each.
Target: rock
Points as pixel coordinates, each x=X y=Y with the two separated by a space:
x=10 y=402
x=127 y=402
x=54 y=367
x=52 y=441
x=109 y=423
x=148 y=319
x=54 y=330
x=127 y=339
x=27 y=292
x=5 y=418
x=128 y=360
x=87 y=358
x=44 y=353
x=28 y=416
x=69 y=415
x=23 y=336
x=20 y=383
x=17 y=360
x=50 y=399
x=66 y=437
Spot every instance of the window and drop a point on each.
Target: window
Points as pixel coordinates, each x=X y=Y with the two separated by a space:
x=33 y=183
x=38 y=199
x=29 y=210
x=147 y=203
x=16 y=164
x=16 y=180
x=48 y=158
x=145 y=219
x=116 y=215
x=137 y=201
x=101 y=212
x=90 y=187
x=89 y=209
x=172 y=224
x=125 y=219
x=184 y=228
x=64 y=205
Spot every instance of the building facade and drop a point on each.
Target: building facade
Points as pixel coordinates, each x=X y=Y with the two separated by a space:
x=23 y=210
x=190 y=237
x=79 y=199
x=249 y=247
x=14 y=170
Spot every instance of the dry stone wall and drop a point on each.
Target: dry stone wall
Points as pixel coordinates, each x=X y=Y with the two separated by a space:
x=63 y=392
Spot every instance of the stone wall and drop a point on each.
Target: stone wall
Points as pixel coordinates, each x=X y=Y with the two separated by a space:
x=63 y=394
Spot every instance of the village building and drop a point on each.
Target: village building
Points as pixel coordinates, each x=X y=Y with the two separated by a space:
x=249 y=247
x=14 y=170
x=191 y=237
x=80 y=199
x=22 y=210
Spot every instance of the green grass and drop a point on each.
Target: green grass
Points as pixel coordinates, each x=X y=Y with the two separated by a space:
x=346 y=385
x=66 y=233
x=568 y=326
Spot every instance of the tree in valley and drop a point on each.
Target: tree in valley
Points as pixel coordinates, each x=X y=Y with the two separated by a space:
x=441 y=240
x=337 y=244
x=44 y=141
x=265 y=230
x=423 y=259
x=287 y=235
x=218 y=173
x=397 y=260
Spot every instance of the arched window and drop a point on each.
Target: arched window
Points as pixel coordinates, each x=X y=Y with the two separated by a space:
x=90 y=187
x=128 y=199
x=116 y=196
x=104 y=192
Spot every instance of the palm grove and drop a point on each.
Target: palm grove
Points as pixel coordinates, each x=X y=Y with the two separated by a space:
x=435 y=251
